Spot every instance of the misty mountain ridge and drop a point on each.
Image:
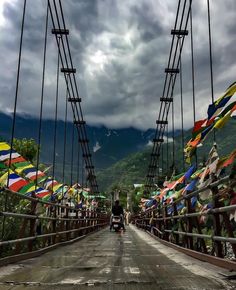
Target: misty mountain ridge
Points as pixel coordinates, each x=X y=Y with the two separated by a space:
x=106 y=145
x=134 y=168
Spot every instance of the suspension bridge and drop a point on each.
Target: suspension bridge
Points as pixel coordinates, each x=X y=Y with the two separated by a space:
x=53 y=232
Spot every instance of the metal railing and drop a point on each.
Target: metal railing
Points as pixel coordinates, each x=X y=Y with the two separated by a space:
x=30 y=226
x=215 y=237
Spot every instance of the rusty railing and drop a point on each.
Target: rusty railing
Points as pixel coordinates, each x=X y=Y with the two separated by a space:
x=30 y=226
x=206 y=233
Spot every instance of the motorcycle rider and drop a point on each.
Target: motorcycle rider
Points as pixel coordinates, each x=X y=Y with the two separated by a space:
x=117 y=210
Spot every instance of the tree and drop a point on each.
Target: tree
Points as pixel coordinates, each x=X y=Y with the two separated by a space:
x=137 y=194
x=27 y=148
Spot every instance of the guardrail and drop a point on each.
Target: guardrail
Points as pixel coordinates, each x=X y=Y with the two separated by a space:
x=214 y=241
x=30 y=226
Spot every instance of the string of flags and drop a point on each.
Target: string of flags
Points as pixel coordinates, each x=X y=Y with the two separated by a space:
x=189 y=181
x=19 y=175
x=217 y=117
x=218 y=114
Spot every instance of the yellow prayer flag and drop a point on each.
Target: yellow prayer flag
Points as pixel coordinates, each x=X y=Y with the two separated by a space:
x=231 y=90
x=4 y=178
x=32 y=188
x=4 y=146
x=57 y=186
x=20 y=169
x=222 y=121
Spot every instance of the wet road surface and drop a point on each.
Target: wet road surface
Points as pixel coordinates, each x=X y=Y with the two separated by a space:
x=124 y=261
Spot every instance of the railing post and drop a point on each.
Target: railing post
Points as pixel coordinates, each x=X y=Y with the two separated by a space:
x=218 y=247
x=61 y=224
x=175 y=222
x=229 y=230
x=143 y=220
x=83 y=221
x=189 y=224
x=76 y=223
x=91 y=220
x=87 y=221
x=54 y=223
x=23 y=228
x=79 y=222
x=165 y=223
x=158 y=221
x=202 y=241
x=95 y=219
x=32 y=223
x=21 y=235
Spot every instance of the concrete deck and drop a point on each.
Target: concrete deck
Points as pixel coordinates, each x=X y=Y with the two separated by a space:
x=124 y=261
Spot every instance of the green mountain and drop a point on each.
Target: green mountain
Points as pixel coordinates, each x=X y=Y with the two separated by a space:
x=133 y=169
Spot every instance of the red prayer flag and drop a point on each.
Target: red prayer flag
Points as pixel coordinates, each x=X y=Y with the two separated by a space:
x=230 y=160
x=198 y=125
x=18 y=185
x=15 y=160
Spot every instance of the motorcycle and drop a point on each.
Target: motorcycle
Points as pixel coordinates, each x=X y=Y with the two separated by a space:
x=116 y=223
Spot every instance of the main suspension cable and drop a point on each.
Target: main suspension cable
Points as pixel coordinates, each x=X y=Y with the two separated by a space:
x=165 y=100
x=55 y=117
x=65 y=137
x=193 y=75
x=72 y=155
x=210 y=55
x=42 y=96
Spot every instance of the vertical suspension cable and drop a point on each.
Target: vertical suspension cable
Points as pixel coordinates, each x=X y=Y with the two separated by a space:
x=158 y=172
x=193 y=75
x=82 y=171
x=14 y=111
x=77 y=175
x=173 y=128
x=210 y=54
x=42 y=97
x=86 y=179
x=182 y=111
x=162 y=161
x=167 y=148
x=56 y=111
x=72 y=155
x=17 y=86
x=65 y=137
x=78 y=160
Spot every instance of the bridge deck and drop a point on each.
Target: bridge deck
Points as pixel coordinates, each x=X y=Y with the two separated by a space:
x=104 y=260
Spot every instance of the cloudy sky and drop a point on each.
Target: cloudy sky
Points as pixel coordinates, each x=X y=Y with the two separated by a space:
x=120 y=49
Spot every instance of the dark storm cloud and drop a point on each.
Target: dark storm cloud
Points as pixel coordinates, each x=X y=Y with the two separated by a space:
x=120 y=49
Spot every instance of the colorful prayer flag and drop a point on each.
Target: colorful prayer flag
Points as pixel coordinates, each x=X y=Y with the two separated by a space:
x=15 y=160
x=50 y=183
x=42 y=193
x=198 y=128
x=27 y=188
x=222 y=121
x=5 y=154
x=222 y=101
x=4 y=177
x=230 y=159
x=16 y=182
x=191 y=186
x=19 y=170
x=33 y=175
x=189 y=172
x=4 y=146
